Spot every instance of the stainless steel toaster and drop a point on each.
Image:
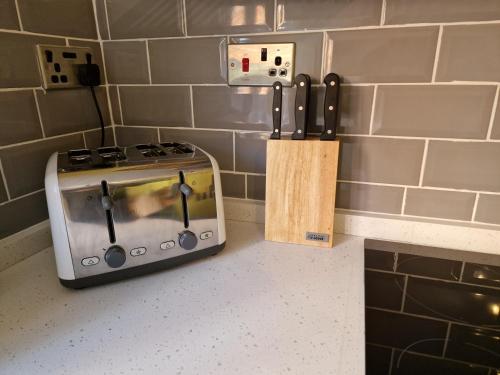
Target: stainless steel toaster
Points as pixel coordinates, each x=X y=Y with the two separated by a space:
x=121 y=212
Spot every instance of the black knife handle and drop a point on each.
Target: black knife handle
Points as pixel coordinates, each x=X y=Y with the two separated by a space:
x=331 y=109
x=303 y=83
x=278 y=93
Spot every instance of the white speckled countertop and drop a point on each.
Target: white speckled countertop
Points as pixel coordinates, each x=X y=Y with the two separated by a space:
x=256 y=308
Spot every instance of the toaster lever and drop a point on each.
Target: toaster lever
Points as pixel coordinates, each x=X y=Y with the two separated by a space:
x=107 y=204
x=186 y=189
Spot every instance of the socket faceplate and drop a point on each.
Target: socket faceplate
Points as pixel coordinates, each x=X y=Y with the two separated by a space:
x=260 y=64
x=58 y=65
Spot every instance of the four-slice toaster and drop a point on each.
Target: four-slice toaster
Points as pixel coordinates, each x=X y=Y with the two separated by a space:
x=120 y=212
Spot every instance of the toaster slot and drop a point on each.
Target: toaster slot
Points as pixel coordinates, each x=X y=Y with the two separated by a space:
x=150 y=151
x=79 y=156
x=185 y=192
x=176 y=148
x=111 y=154
x=107 y=204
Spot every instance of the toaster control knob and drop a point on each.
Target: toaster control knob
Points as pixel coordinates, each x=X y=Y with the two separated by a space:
x=188 y=240
x=115 y=256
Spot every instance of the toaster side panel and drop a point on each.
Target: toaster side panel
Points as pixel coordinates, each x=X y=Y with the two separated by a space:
x=221 y=224
x=57 y=222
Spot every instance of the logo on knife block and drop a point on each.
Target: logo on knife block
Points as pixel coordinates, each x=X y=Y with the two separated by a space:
x=322 y=237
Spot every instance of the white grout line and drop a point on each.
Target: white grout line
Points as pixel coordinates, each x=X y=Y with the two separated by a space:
x=184 y=18
x=234 y=151
x=462 y=269
x=120 y=104
x=148 y=62
x=110 y=109
x=31 y=141
x=246 y=186
x=436 y=55
x=84 y=140
x=382 y=13
x=24 y=32
x=403 y=204
x=172 y=84
x=246 y=173
x=113 y=128
x=424 y=161
x=391 y=360
x=403 y=300
x=39 y=113
x=192 y=105
x=19 y=15
x=275 y=13
x=323 y=56
x=493 y=112
x=22 y=196
x=96 y=20
x=446 y=339
x=474 y=209
x=107 y=18
x=159 y=138
x=420 y=187
x=66 y=42
x=405 y=137
x=4 y=179
x=19 y=89
x=372 y=114
x=449 y=83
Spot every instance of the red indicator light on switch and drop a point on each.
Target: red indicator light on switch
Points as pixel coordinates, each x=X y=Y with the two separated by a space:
x=245 y=64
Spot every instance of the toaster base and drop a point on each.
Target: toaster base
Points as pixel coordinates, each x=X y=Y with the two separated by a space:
x=126 y=273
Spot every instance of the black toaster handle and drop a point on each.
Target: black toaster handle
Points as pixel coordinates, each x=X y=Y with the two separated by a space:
x=277 y=98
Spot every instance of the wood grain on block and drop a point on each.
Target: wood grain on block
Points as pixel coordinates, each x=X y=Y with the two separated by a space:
x=300 y=191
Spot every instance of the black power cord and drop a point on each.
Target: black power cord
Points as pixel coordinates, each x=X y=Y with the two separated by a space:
x=89 y=75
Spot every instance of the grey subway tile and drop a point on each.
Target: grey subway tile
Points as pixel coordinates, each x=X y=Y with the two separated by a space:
x=452 y=301
x=256 y=187
x=144 y=18
x=102 y=20
x=8 y=15
x=363 y=197
x=449 y=111
x=445 y=269
x=382 y=55
x=250 y=152
x=233 y=185
x=384 y=290
x=59 y=17
x=382 y=160
x=126 y=135
x=18 y=66
x=469 y=53
x=308 y=50
x=378 y=259
x=219 y=144
x=185 y=66
x=355 y=109
x=401 y=331
x=126 y=62
x=495 y=131
x=24 y=165
x=115 y=104
x=378 y=359
x=69 y=111
x=229 y=17
x=425 y=11
x=22 y=213
x=463 y=165
x=439 y=203
x=481 y=274
x=488 y=209
x=96 y=53
x=327 y=14
x=156 y=105
x=93 y=137
x=18 y=117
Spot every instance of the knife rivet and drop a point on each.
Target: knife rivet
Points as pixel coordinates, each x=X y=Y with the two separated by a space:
x=300 y=108
x=330 y=108
x=276 y=130
x=302 y=83
x=277 y=87
x=332 y=83
x=299 y=131
x=329 y=131
x=277 y=109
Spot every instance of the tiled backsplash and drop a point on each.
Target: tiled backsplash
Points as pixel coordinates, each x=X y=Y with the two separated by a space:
x=34 y=123
x=419 y=133
x=431 y=314
x=420 y=87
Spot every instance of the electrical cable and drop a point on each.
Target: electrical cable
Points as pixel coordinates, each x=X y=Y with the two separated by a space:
x=99 y=113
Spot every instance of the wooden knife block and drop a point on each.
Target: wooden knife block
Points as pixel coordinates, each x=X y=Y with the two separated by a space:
x=301 y=181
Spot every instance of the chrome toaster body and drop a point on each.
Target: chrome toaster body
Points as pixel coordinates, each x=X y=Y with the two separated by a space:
x=120 y=212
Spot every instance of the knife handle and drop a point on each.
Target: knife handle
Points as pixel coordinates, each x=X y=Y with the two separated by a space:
x=277 y=95
x=331 y=108
x=303 y=83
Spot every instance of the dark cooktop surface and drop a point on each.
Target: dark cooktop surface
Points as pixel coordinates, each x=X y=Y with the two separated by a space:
x=428 y=315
